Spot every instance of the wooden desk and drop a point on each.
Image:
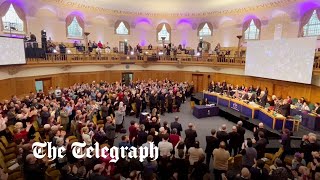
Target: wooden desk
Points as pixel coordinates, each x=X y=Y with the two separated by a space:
x=276 y=121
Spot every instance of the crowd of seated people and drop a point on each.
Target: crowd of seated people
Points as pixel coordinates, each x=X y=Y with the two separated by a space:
x=261 y=97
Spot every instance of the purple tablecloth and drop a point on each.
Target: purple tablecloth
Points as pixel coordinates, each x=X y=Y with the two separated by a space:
x=201 y=111
x=310 y=121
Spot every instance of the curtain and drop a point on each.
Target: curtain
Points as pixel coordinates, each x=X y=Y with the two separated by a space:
x=21 y=15
x=246 y=25
x=305 y=19
x=202 y=25
x=4 y=7
x=69 y=20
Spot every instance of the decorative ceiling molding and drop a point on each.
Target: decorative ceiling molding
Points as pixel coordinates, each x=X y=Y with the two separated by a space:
x=238 y=11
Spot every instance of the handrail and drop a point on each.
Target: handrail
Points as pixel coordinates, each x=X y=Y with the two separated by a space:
x=117 y=58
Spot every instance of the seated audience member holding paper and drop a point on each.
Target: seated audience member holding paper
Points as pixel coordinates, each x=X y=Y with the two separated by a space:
x=305 y=107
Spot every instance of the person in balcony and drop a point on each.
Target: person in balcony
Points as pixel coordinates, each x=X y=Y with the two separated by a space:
x=100 y=45
x=150 y=47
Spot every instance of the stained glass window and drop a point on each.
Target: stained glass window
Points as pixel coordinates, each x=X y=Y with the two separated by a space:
x=205 y=31
x=12 y=21
x=252 y=32
x=312 y=28
x=122 y=29
x=164 y=33
x=74 y=29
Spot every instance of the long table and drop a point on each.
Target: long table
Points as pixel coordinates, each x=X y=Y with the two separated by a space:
x=273 y=120
x=309 y=120
x=201 y=111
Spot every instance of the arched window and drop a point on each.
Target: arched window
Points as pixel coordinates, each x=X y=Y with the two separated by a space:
x=205 y=31
x=13 y=18
x=252 y=32
x=312 y=28
x=163 y=33
x=74 y=29
x=122 y=29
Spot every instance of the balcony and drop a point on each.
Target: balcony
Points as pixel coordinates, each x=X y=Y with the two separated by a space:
x=116 y=58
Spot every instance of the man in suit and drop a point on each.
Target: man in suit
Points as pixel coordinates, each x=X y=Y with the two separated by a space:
x=138 y=105
x=110 y=130
x=234 y=141
x=222 y=135
x=191 y=135
x=241 y=131
x=285 y=108
x=260 y=129
x=212 y=143
x=176 y=125
x=263 y=99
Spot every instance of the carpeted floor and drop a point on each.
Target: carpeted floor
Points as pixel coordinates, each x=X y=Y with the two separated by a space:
x=203 y=126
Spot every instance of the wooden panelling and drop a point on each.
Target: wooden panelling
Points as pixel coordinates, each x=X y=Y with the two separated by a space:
x=23 y=86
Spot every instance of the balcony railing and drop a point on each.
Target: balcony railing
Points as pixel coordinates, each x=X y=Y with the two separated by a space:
x=115 y=58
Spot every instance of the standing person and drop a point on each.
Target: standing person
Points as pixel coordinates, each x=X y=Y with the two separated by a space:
x=286 y=143
x=212 y=143
x=133 y=133
x=195 y=153
x=222 y=135
x=191 y=135
x=176 y=125
x=110 y=130
x=104 y=110
x=249 y=155
x=138 y=102
x=241 y=131
x=234 y=141
x=220 y=161
x=261 y=145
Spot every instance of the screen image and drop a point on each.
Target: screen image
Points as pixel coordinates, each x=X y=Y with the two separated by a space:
x=284 y=59
x=12 y=51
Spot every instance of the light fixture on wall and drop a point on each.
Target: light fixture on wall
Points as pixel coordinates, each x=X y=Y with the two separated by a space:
x=163 y=39
x=239 y=44
x=86 y=34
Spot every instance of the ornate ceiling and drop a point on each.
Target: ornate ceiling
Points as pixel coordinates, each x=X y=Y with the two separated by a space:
x=171 y=7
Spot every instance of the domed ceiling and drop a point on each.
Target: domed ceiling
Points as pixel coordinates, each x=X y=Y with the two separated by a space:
x=172 y=6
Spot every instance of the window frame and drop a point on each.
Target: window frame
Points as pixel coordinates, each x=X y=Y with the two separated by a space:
x=75 y=37
x=257 y=33
x=5 y=31
x=207 y=35
x=124 y=24
x=164 y=25
x=314 y=13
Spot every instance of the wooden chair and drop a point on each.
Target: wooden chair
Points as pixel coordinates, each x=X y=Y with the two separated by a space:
x=192 y=104
x=6 y=144
x=134 y=107
x=5 y=151
x=52 y=174
x=237 y=162
x=230 y=163
x=272 y=157
x=296 y=124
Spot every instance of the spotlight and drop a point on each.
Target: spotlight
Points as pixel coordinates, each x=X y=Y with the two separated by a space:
x=55 y=51
x=198 y=54
x=160 y=53
x=132 y=53
x=68 y=51
x=147 y=52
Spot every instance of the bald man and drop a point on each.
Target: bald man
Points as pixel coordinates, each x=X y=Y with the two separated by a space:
x=191 y=135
